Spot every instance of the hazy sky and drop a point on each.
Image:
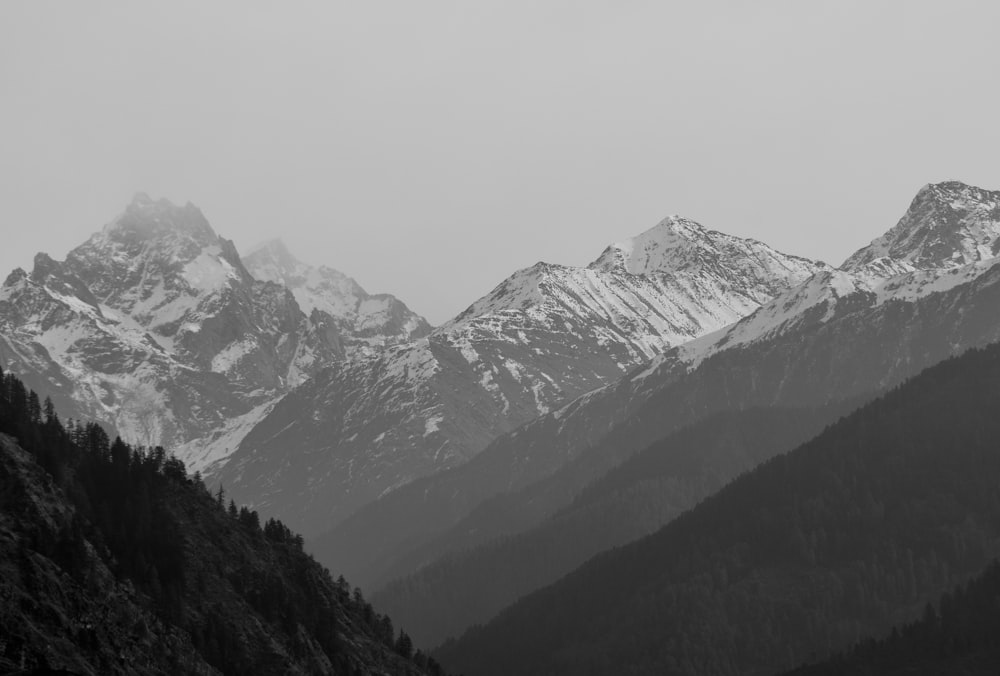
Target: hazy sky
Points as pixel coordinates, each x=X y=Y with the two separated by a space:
x=429 y=149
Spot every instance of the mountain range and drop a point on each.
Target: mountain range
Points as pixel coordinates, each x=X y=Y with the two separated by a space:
x=841 y=335
x=156 y=328
x=536 y=479
x=547 y=334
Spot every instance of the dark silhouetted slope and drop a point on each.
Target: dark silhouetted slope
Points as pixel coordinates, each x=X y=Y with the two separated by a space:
x=960 y=635
x=113 y=561
x=851 y=533
x=636 y=498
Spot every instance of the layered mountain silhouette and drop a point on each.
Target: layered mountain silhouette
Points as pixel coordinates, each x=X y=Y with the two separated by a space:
x=853 y=532
x=444 y=598
x=841 y=335
x=561 y=477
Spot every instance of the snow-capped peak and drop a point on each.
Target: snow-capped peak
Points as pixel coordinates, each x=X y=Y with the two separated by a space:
x=664 y=287
x=948 y=225
x=679 y=245
x=669 y=243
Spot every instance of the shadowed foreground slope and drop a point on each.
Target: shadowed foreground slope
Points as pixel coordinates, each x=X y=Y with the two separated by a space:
x=112 y=561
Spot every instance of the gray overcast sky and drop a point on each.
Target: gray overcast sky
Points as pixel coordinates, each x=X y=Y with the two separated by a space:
x=430 y=148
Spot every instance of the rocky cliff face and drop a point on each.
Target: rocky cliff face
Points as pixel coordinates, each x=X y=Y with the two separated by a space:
x=948 y=225
x=545 y=335
x=365 y=322
x=155 y=327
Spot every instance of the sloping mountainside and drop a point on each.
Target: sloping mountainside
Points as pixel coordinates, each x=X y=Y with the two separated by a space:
x=545 y=335
x=851 y=533
x=362 y=320
x=840 y=335
x=155 y=328
x=961 y=635
x=112 y=561
x=636 y=498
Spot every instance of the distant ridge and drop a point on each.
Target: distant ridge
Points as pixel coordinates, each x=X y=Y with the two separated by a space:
x=543 y=336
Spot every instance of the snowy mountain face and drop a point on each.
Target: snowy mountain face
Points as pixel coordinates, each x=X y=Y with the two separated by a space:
x=949 y=236
x=948 y=225
x=364 y=321
x=155 y=327
x=838 y=335
x=545 y=335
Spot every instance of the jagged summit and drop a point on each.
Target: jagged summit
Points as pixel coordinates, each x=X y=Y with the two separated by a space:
x=948 y=224
x=145 y=218
x=157 y=254
x=365 y=320
x=156 y=311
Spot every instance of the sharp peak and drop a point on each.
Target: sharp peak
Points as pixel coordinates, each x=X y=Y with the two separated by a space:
x=678 y=221
x=153 y=217
x=682 y=232
x=679 y=225
x=947 y=224
x=689 y=230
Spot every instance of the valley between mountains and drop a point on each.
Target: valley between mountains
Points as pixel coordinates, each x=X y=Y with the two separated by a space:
x=693 y=430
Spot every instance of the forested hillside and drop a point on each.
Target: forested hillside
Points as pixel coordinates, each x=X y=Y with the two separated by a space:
x=112 y=560
x=851 y=533
x=960 y=635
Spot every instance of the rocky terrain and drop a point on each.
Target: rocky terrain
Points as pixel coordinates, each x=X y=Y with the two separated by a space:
x=155 y=327
x=544 y=336
x=364 y=322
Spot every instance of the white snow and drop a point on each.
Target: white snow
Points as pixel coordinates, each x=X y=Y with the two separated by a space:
x=209 y=271
x=433 y=424
x=231 y=355
x=209 y=454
